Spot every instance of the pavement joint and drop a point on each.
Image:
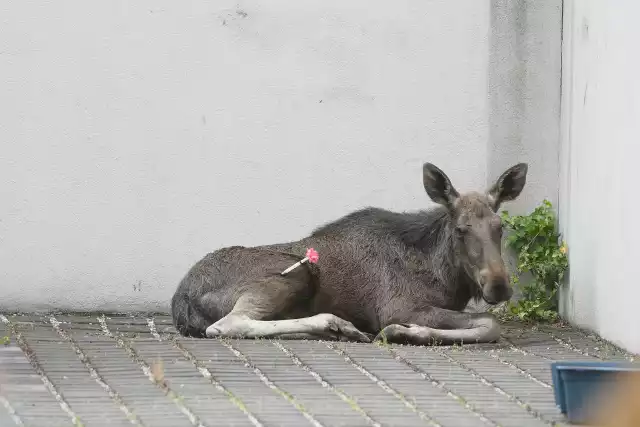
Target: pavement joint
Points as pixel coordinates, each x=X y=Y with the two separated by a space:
x=519 y=349
x=572 y=347
x=94 y=373
x=69 y=369
x=206 y=373
x=12 y=412
x=521 y=371
x=439 y=385
x=148 y=372
x=495 y=353
x=382 y=384
x=325 y=384
x=287 y=396
x=33 y=360
x=527 y=407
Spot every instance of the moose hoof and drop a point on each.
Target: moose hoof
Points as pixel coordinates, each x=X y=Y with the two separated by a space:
x=341 y=328
x=391 y=333
x=212 y=332
x=405 y=333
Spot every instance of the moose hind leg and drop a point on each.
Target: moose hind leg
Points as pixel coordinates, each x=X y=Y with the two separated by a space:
x=454 y=328
x=321 y=325
x=252 y=313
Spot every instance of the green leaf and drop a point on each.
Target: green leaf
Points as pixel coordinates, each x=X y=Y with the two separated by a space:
x=536 y=244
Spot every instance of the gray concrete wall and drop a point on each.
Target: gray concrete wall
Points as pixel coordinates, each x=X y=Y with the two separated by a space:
x=524 y=92
x=136 y=137
x=599 y=202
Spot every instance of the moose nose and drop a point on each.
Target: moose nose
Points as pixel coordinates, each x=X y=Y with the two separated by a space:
x=495 y=287
x=497 y=295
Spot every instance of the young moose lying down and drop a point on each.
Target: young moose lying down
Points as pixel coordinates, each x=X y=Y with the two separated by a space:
x=404 y=276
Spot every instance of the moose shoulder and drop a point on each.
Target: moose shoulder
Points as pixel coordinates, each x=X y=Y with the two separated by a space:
x=404 y=276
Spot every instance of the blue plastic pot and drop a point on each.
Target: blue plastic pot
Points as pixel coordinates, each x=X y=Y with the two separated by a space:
x=579 y=386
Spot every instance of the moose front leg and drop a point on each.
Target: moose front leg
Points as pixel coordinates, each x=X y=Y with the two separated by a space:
x=441 y=327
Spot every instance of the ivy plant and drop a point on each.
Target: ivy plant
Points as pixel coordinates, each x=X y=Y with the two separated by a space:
x=540 y=252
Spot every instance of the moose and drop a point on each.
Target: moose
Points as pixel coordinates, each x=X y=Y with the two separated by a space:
x=400 y=277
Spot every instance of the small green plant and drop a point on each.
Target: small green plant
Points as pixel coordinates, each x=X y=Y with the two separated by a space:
x=5 y=340
x=383 y=342
x=539 y=251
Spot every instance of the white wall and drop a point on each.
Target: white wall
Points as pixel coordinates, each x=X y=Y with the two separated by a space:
x=524 y=89
x=138 y=136
x=600 y=174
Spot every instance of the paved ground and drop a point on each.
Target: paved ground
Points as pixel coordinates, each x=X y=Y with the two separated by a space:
x=120 y=370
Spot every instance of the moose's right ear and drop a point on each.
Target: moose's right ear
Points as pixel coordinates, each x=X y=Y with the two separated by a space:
x=438 y=185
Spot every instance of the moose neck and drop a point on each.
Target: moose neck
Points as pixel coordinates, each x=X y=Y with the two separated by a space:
x=432 y=233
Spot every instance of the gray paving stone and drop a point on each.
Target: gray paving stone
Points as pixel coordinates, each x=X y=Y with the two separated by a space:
x=587 y=343
x=65 y=370
x=538 y=367
x=485 y=398
x=125 y=376
x=510 y=380
x=376 y=361
x=5 y=418
x=214 y=407
x=540 y=343
x=325 y=405
x=25 y=392
x=355 y=385
x=267 y=405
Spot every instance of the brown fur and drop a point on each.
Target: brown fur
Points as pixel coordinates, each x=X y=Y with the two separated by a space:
x=408 y=275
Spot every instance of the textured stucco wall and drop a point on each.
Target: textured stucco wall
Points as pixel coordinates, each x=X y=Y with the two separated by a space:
x=136 y=137
x=524 y=92
x=599 y=202
x=523 y=89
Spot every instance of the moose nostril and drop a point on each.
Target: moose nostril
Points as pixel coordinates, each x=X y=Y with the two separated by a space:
x=502 y=281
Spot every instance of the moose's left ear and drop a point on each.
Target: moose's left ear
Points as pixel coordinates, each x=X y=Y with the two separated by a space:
x=509 y=185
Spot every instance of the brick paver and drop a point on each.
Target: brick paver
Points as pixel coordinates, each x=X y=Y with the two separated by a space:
x=96 y=370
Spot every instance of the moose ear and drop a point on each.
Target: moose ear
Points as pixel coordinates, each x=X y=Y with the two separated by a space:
x=509 y=185
x=438 y=185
